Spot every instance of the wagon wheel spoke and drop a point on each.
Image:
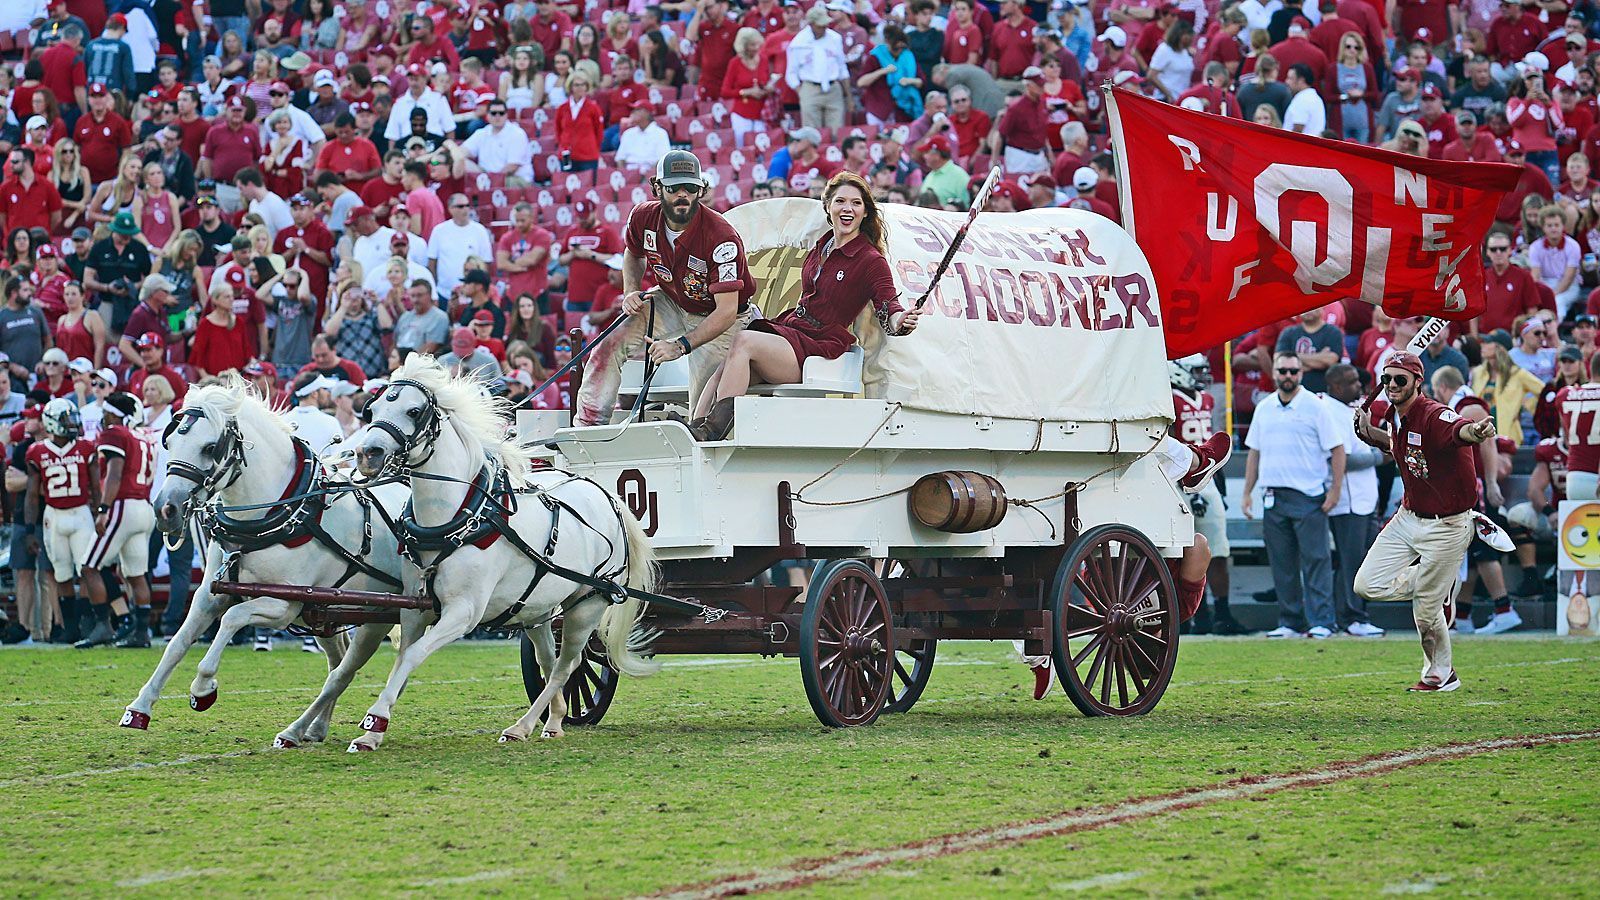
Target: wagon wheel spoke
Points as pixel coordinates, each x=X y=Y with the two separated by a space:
x=1105 y=675
x=1122 y=676
x=830 y=660
x=1159 y=641
x=1142 y=589
x=901 y=673
x=585 y=693
x=850 y=698
x=830 y=619
x=1088 y=648
x=1093 y=582
x=1132 y=578
x=1144 y=660
x=868 y=632
x=1082 y=617
x=1141 y=685
x=1099 y=659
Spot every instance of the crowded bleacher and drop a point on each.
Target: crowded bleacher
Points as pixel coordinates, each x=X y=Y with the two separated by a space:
x=304 y=192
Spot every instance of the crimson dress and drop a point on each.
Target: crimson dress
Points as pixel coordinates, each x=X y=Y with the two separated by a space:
x=849 y=278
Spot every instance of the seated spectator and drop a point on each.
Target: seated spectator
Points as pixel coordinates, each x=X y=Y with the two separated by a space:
x=500 y=148
x=1509 y=389
x=467 y=358
x=644 y=142
x=1554 y=258
x=945 y=180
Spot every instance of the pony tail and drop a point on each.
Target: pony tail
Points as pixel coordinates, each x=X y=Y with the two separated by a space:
x=627 y=643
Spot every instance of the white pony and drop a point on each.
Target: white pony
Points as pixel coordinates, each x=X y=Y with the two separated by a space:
x=228 y=444
x=480 y=518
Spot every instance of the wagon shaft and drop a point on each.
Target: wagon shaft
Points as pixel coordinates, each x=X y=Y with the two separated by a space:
x=321 y=595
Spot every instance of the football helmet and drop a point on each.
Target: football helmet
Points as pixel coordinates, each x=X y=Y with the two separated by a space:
x=61 y=418
x=1191 y=373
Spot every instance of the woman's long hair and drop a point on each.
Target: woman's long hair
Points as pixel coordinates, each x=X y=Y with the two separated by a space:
x=873 y=228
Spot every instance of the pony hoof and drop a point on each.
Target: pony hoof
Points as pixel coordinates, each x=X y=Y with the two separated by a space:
x=282 y=743
x=549 y=735
x=357 y=747
x=132 y=718
x=202 y=703
x=509 y=738
x=375 y=724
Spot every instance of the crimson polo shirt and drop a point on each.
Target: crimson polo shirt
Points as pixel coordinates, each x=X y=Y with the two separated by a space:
x=63 y=72
x=1026 y=125
x=1011 y=47
x=360 y=155
x=100 y=143
x=706 y=260
x=230 y=151
x=714 y=51
x=28 y=207
x=1507 y=295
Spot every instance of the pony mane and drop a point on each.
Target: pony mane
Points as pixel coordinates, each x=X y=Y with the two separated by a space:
x=234 y=398
x=476 y=415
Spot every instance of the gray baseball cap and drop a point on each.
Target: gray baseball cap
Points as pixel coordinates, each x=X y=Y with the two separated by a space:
x=679 y=167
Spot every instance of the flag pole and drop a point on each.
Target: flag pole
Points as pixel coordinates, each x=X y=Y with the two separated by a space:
x=1227 y=386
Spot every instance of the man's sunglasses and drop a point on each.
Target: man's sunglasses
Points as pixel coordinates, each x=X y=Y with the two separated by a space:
x=1284 y=371
x=1398 y=381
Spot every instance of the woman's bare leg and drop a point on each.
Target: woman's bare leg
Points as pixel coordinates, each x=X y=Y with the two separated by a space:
x=708 y=394
x=757 y=355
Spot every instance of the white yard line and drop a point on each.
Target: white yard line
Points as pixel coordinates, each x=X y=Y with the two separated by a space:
x=854 y=864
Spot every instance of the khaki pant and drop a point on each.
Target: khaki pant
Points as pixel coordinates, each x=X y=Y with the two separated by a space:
x=1419 y=560
x=819 y=108
x=602 y=371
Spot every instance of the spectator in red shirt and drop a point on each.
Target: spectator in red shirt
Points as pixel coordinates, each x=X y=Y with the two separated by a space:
x=1011 y=47
x=1471 y=143
x=963 y=41
x=152 y=360
x=712 y=32
x=351 y=157
x=62 y=71
x=1508 y=290
x=551 y=28
x=972 y=125
x=221 y=341
x=579 y=126
x=101 y=135
x=522 y=254
x=429 y=46
x=232 y=145
x=26 y=200
x=589 y=246
x=1512 y=35
x=1296 y=48
x=1437 y=124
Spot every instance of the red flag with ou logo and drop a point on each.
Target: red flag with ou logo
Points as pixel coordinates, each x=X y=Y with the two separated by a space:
x=1245 y=225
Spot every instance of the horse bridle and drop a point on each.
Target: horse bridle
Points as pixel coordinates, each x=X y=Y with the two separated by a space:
x=429 y=425
x=229 y=452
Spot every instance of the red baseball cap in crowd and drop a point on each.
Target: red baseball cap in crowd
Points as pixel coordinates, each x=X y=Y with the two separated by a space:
x=117 y=20
x=1408 y=75
x=380 y=50
x=278 y=87
x=46 y=250
x=258 y=368
x=1019 y=197
x=32 y=412
x=1514 y=146
x=1033 y=74
x=236 y=102
x=300 y=200
x=580 y=208
x=361 y=212
x=483 y=316
x=939 y=143
x=1406 y=361
x=149 y=339
x=1303 y=23
x=1431 y=91
x=361 y=106
x=1044 y=181
x=97 y=90
x=1424 y=35
x=645 y=105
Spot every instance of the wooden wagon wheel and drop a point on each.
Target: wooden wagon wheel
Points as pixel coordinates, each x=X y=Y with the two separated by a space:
x=913 y=662
x=1116 y=619
x=590 y=689
x=846 y=644
x=913 y=665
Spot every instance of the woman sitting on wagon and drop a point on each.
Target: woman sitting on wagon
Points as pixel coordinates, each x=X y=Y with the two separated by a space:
x=843 y=273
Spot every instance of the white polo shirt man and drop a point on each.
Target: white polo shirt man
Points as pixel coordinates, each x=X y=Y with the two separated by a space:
x=498 y=145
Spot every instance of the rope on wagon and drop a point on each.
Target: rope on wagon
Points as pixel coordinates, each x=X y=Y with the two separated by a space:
x=796 y=495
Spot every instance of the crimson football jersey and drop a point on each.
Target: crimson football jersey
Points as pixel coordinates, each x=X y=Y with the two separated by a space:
x=1551 y=453
x=1579 y=407
x=138 y=461
x=1191 y=417
x=63 y=472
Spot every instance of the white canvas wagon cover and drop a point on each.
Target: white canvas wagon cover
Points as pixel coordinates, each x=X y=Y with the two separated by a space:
x=1046 y=314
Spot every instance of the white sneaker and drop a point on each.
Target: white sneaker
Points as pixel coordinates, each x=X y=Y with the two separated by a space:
x=1319 y=632
x=309 y=645
x=1363 y=629
x=1284 y=631
x=1502 y=622
x=263 y=643
x=1464 y=626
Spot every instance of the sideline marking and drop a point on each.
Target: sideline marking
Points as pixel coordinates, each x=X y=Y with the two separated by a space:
x=158 y=877
x=851 y=864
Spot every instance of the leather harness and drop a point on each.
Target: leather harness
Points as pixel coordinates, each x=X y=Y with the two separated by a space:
x=294 y=520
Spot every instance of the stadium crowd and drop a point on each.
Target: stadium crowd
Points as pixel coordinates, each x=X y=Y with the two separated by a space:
x=304 y=191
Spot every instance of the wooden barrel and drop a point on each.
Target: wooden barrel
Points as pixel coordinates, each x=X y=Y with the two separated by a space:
x=958 y=502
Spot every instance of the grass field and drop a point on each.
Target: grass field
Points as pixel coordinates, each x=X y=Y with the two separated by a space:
x=716 y=768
